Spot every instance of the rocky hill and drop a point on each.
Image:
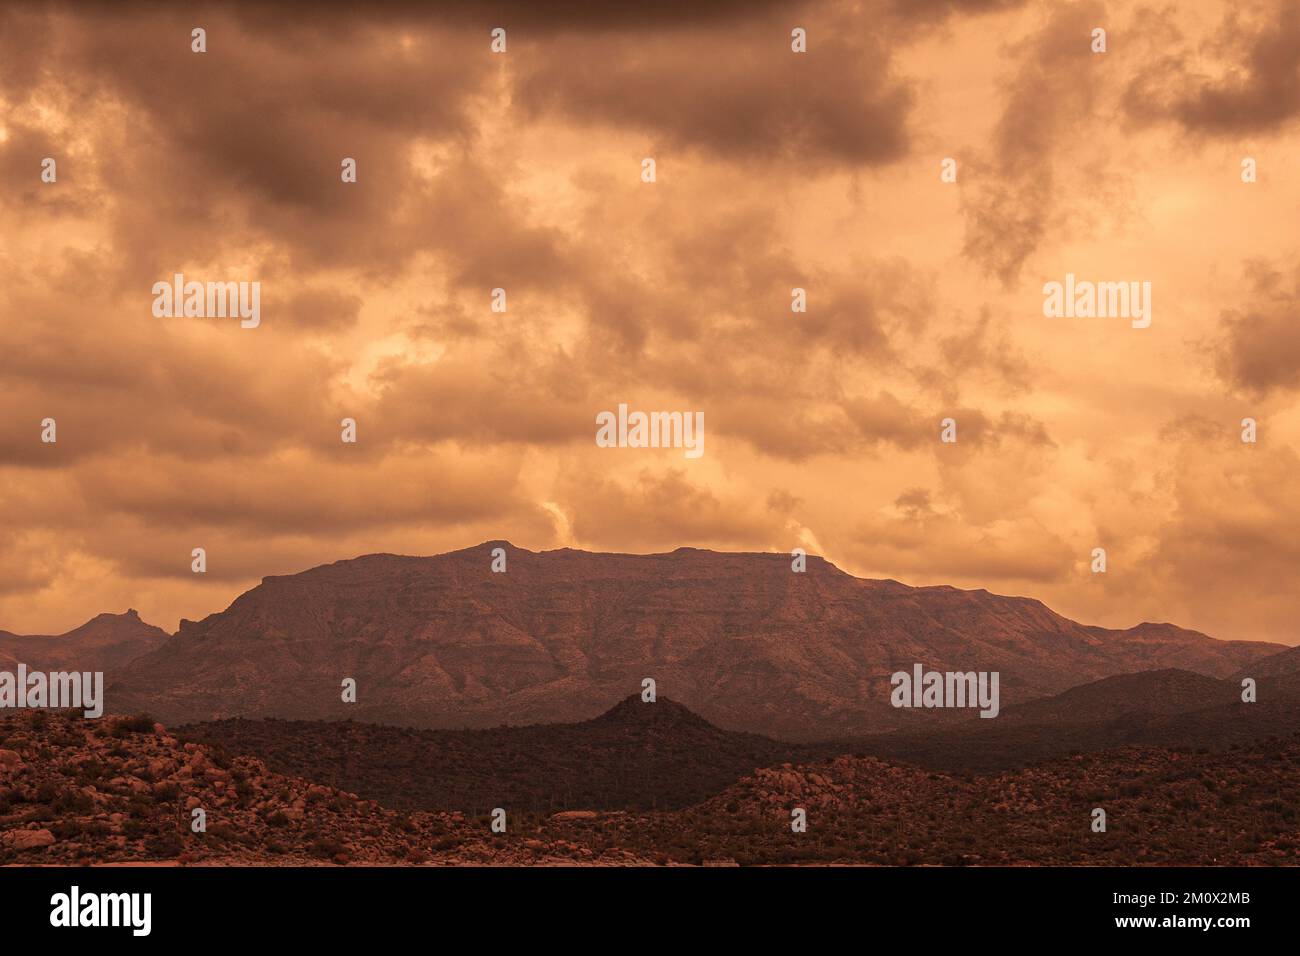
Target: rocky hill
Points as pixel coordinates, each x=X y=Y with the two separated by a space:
x=1165 y=708
x=104 y=643
x=1166 y=807
x=636 y=756
x=124 y=790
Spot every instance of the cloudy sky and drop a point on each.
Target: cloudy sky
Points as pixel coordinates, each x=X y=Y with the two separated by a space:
x=774 y=170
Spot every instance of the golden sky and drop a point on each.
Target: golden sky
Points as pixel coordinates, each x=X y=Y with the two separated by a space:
x=774 y=170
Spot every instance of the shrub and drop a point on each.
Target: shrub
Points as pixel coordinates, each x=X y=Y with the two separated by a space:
x=139 y=724
x=164 y=844
x=73 y=801
x=326 y=848
x=47 y=792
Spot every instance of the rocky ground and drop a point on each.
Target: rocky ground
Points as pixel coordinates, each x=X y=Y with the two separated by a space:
x=1163 y=807
x=122 y=790
x=74 y=791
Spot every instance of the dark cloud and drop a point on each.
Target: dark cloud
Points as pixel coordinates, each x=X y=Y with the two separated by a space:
x=244 y=143
x=531 y=17
x=1258 y=348
x=295 y=494
x=940 y=10
x=1256 y=83
x=322 y=310
x=660 y=511
x=177 y=386
x=511 y=398
x=1013 y=188
x=914 y=502
x=982 y=348
x=978 y=430
x=955 y=549
x=736 y=92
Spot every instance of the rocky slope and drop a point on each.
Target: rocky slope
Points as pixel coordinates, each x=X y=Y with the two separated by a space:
x=1284 y=662
x=104 y=643
x=1276 y=676
x=1162 y=807
x=445 y=642
x=121 y=790
x=1167 y=691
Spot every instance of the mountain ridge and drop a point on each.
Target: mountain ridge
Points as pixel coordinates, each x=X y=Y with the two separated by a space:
x=738 y=637
x=105 y=642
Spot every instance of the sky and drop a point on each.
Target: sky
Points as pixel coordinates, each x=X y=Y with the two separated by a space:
x=774 y=170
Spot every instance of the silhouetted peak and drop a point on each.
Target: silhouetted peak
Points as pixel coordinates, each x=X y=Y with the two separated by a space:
x=634 y=710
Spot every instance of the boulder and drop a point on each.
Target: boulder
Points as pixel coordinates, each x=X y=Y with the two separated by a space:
x=27 y=839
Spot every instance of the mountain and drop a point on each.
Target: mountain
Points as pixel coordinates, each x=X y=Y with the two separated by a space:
x=637 y=755
x=1275 y=665
x=1276 y=676
x=1167 y=708
x=1167 y=691
x=739 y=638
x=103 y=643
